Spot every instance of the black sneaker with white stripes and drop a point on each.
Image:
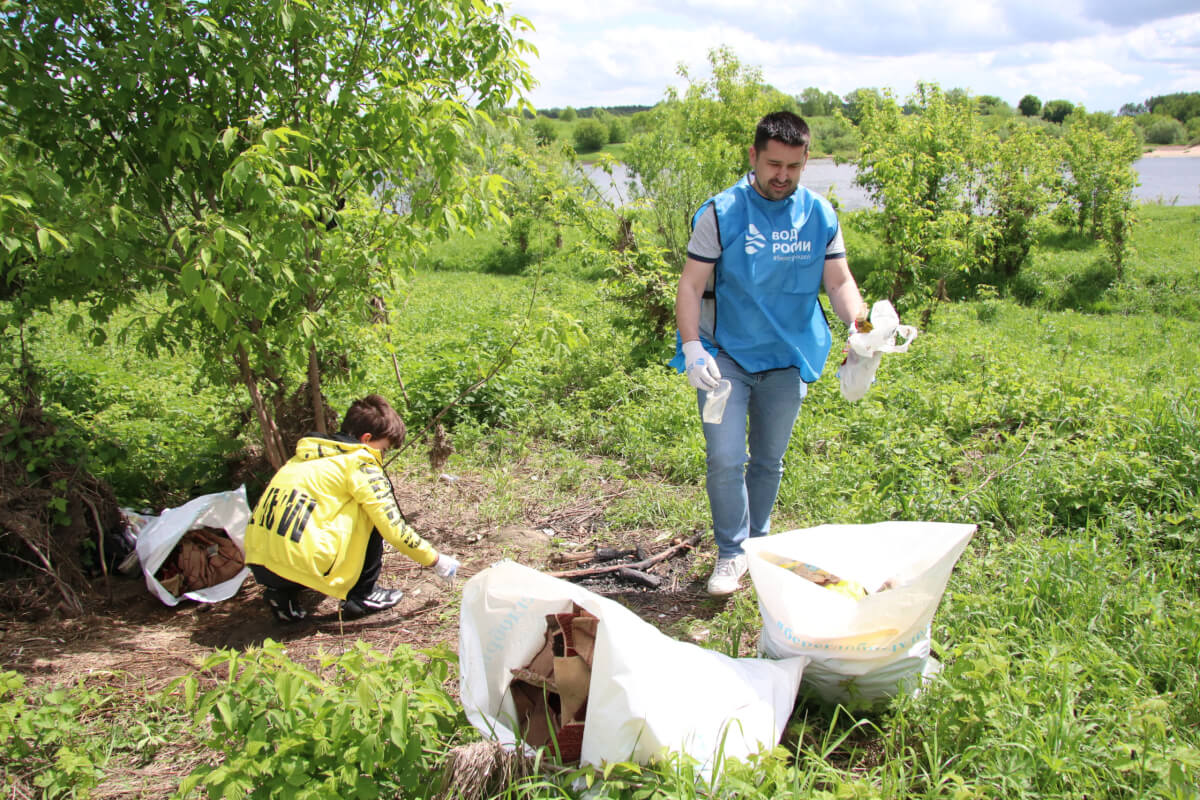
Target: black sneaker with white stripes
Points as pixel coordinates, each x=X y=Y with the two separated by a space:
x=284 y=606
x=377 y=600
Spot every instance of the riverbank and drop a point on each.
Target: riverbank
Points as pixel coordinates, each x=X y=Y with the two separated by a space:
x=1173 y=151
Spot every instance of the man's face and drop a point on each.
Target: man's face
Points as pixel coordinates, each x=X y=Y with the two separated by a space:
x=777 y=168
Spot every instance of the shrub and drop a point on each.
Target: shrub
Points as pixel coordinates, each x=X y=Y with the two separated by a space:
x=618 y=131
x=359 y=727
x=1166 y=130
x=590 y=136
x=544 y=130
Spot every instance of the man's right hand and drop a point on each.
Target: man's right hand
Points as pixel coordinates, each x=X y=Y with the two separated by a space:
x=701 y=367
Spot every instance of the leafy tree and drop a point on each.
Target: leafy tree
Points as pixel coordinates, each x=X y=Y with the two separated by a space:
x=618 y=130
x=568 y=114
x=266 y=187
x=590 y=135
x=855 y=101
x=991 y=104
x=1030 y=106
x=544 y=130
x=698 y=144
x=1163 y=129
x=1101 y=178
x=1057 y=110
x=918 y=168
x=816 y=103
x=1133 y=109
x=1019 y=184
x=1183 y=106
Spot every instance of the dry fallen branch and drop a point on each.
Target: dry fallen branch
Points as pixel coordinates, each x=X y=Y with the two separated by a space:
x=637 y=566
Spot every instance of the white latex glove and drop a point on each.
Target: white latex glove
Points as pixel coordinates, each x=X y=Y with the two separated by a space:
x=702 y=371
x=446 y=567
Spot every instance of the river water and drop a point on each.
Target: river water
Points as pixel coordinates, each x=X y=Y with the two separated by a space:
x=1168 y=180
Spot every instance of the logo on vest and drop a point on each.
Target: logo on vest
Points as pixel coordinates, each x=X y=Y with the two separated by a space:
x=755 y=241
x=789 y=242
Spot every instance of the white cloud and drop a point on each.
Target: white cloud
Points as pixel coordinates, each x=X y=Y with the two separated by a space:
x=616 y=53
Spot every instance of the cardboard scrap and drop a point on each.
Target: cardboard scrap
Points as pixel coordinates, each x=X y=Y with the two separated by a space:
x=203 y=557
x=551 y=691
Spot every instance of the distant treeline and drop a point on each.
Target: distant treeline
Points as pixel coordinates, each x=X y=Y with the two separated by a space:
x=588 y=111
x=1183 y=106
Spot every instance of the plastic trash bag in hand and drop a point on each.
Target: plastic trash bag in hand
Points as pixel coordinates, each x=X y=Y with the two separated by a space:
x=864 y=350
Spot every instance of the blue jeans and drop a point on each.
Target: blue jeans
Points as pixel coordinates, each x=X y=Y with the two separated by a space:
x=741 y=489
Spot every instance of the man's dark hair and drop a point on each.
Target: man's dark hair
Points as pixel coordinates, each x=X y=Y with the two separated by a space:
x=782 y=126
x=374 y=415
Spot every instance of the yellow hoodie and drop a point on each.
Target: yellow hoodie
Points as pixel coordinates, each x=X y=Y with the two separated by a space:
x=313 y=521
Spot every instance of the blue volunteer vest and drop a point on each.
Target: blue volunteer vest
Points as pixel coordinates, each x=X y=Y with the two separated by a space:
x=767 y=281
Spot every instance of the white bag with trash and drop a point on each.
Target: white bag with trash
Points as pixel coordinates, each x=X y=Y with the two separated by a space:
x=865 y=350
x=648 y=693
x=863 y=648
x=227 y=511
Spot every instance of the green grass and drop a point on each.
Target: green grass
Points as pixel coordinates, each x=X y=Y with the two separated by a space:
x=1063 y=418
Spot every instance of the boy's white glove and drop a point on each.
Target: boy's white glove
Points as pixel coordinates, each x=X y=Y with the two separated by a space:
x=446 y=567
x=701 y=367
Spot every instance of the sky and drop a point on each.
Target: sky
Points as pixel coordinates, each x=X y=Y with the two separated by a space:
x=1097 y=53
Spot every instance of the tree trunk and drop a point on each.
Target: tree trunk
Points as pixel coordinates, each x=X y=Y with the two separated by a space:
x=272 y=441
x=314 y=389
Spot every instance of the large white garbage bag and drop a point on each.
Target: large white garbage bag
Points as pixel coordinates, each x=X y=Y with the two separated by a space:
x=649 y=694
x=862 y=650
x=227 y=510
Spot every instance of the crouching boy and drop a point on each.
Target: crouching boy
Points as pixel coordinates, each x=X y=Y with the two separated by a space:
x=322 y=520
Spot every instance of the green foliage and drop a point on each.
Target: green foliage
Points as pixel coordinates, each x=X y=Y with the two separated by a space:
x=618 y=131
x=1183 y=106
x=698 y=144
x=40 y=740
x=1072 y=439
x=568 y=115
x=918 y=168
x=816 y=103
x=1018 y=184
x=358 y=725
x=1057 y=110
x=590 y=135
x=1030 y=106
x=59 y=741
x=280 y=158
x=1101 y=179
x=835 y=136
x=991 y=104
x=544 y=130
x=1163 y=130
x=858 y=100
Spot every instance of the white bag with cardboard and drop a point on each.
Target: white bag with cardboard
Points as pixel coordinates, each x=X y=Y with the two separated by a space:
x=865 y=350
x=648 y=693
x=226 y=510
x=862 y=650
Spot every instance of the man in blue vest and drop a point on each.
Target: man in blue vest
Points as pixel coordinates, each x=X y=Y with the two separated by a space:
x=748 y=311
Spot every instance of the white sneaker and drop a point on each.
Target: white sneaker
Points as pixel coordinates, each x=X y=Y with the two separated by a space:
x=727 y=575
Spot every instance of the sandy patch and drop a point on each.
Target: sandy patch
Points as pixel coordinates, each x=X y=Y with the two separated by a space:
x=1173 y=151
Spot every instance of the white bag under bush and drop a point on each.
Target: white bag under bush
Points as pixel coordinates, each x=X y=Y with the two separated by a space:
x=227 y=510
x=862 y=650
x=648 y=694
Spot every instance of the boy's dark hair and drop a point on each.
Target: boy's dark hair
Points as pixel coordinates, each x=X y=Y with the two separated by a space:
x=784 y=127
x=374 y=415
